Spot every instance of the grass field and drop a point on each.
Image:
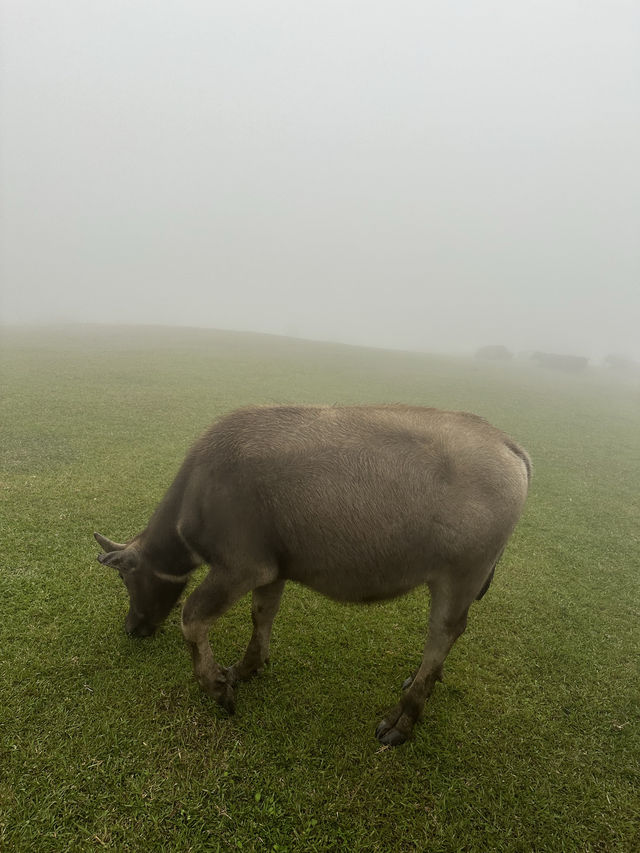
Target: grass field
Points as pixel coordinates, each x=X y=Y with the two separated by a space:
x=533 y=740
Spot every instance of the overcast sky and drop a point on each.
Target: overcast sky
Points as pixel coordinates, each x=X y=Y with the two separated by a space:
x=432 y=175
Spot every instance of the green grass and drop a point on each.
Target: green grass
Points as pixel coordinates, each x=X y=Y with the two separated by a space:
x=532 y=743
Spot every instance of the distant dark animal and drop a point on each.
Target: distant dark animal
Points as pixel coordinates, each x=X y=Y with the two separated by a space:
x=571 y=363
x=494 y=352
x=358 y=503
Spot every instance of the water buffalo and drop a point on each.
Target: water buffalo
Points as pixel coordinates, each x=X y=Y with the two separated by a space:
x=360 y=503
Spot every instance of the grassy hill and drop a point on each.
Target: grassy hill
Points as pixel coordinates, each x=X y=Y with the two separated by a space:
x=531 y=743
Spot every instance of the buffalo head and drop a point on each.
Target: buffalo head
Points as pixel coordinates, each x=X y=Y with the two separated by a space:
x=152 y=594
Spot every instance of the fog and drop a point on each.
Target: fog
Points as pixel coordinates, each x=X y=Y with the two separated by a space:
x=409 y=174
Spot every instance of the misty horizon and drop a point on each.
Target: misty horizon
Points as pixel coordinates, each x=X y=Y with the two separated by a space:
x=81 y=327
x=410 y=177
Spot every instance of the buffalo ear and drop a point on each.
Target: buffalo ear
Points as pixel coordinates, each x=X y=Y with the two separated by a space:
x=106 y=544
x=123 y=561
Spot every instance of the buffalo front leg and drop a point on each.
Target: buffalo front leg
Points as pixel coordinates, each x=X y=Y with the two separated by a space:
x=447 y=621
x=216 y=594
x=264 y=606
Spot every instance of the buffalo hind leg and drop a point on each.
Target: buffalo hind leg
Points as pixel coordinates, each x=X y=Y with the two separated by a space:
x=447 y=621
x=216 y=594
x=264 y=606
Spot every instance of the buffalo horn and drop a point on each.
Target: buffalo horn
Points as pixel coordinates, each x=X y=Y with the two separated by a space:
x=107 y=545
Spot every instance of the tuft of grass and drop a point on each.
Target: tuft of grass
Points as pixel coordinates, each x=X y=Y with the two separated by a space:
x=533 y=741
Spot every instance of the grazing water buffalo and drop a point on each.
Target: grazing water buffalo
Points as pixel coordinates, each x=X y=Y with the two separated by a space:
x=358 y=503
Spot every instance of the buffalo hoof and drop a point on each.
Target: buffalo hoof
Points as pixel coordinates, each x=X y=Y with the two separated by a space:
x=397 y=724
x=227 y=703
x=225 y=698
x=220 y=689
x=389 y=736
